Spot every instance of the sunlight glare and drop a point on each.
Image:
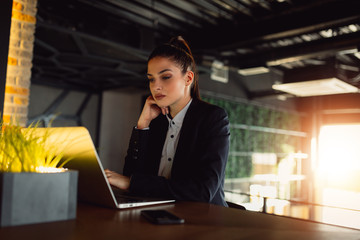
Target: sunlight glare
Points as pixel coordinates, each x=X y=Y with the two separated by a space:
x=339 y=150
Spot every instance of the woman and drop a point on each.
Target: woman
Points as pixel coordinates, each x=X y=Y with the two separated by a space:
x=180 y=145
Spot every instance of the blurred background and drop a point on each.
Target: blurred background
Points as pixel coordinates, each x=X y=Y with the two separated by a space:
x=286 y=71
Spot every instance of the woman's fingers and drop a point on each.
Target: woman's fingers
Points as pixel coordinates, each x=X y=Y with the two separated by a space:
x=117 y=180
x=165 y=110
x=150 y=100
x=108 y=173
x=150 y=111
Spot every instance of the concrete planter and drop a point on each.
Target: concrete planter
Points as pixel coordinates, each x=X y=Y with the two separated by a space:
x=27 y=198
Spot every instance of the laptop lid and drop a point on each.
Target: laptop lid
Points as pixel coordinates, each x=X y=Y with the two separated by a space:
x=93 y=186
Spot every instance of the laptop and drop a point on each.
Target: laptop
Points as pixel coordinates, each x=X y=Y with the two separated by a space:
x=93 y=187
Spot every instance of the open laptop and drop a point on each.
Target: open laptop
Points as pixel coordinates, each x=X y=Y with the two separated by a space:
x=93 y=186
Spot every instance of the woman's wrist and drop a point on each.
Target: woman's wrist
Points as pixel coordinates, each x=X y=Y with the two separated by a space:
x=142 y=124
x=126 y=185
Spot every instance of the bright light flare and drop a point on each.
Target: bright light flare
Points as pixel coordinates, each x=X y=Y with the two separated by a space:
x=50 y=170
x=339 y=151
x=339 y=168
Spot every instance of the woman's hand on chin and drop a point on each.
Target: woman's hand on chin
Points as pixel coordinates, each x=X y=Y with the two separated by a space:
x=165 y=110
x=149 y=112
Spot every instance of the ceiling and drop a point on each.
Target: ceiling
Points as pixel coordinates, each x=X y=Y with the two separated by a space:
x=96 y=45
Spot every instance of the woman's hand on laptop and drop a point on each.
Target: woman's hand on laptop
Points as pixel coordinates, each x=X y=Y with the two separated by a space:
x=117 y=180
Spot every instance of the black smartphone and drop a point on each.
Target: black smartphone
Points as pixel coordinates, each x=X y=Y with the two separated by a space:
x=161 y=217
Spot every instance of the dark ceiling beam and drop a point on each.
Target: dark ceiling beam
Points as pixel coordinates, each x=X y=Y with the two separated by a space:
x=224 y=6
x=52 y=61
x=65 y=66
x=190 y=10
x=292 y=33
x=93 y=85
x=238 y=7
x=263 y=4
x=328 y=46
x=120 y=68
x=59 y=83
x=233 y=34
x=221 y=26
x=141 y=54
x=132 y=7
x=169 y=12
x=126 y=15
x=46 y=46
x=80 y=44
x=210 y=9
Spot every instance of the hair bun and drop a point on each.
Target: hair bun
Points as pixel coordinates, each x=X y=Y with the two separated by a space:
x=180 y=42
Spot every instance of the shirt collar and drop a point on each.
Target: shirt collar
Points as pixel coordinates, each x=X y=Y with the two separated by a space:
x=179 y=118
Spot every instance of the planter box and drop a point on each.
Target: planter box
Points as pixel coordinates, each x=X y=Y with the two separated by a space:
x=27 y=198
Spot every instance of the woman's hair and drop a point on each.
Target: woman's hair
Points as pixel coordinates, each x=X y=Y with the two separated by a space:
x=179 y=51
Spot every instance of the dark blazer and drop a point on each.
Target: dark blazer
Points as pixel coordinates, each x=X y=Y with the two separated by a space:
x=198 y=169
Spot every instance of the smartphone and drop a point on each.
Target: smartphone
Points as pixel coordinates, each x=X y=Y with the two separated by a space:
x=161 y=217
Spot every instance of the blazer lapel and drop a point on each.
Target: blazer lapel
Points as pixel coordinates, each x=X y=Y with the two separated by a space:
x=186 y=132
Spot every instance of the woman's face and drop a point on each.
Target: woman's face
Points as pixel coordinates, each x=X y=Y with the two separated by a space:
x=168 y=85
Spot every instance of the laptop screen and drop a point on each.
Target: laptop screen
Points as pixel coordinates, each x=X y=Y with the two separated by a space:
x=78 y=149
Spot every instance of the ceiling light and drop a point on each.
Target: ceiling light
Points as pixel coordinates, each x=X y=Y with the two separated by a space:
x=353 y=27
x=316 y=87
x=281 y=97
x=283 y=61
x=253 y=71
x=348 y=67
x=357 y=55
x=326 y=33
x=219 y=72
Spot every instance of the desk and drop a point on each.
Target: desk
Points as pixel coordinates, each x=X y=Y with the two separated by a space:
x=202 y=221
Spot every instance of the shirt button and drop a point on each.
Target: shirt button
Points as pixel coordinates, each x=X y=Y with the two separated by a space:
x=169 y=159
x=173 y=123
x=172 y=136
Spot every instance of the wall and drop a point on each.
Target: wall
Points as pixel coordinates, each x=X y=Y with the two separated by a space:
x=120 y=112
x=232 y=88
x=41 y=98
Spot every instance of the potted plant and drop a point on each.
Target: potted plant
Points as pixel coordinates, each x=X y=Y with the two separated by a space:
x=34 y=188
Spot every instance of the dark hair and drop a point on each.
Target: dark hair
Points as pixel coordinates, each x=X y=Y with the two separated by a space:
x=179 y=51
